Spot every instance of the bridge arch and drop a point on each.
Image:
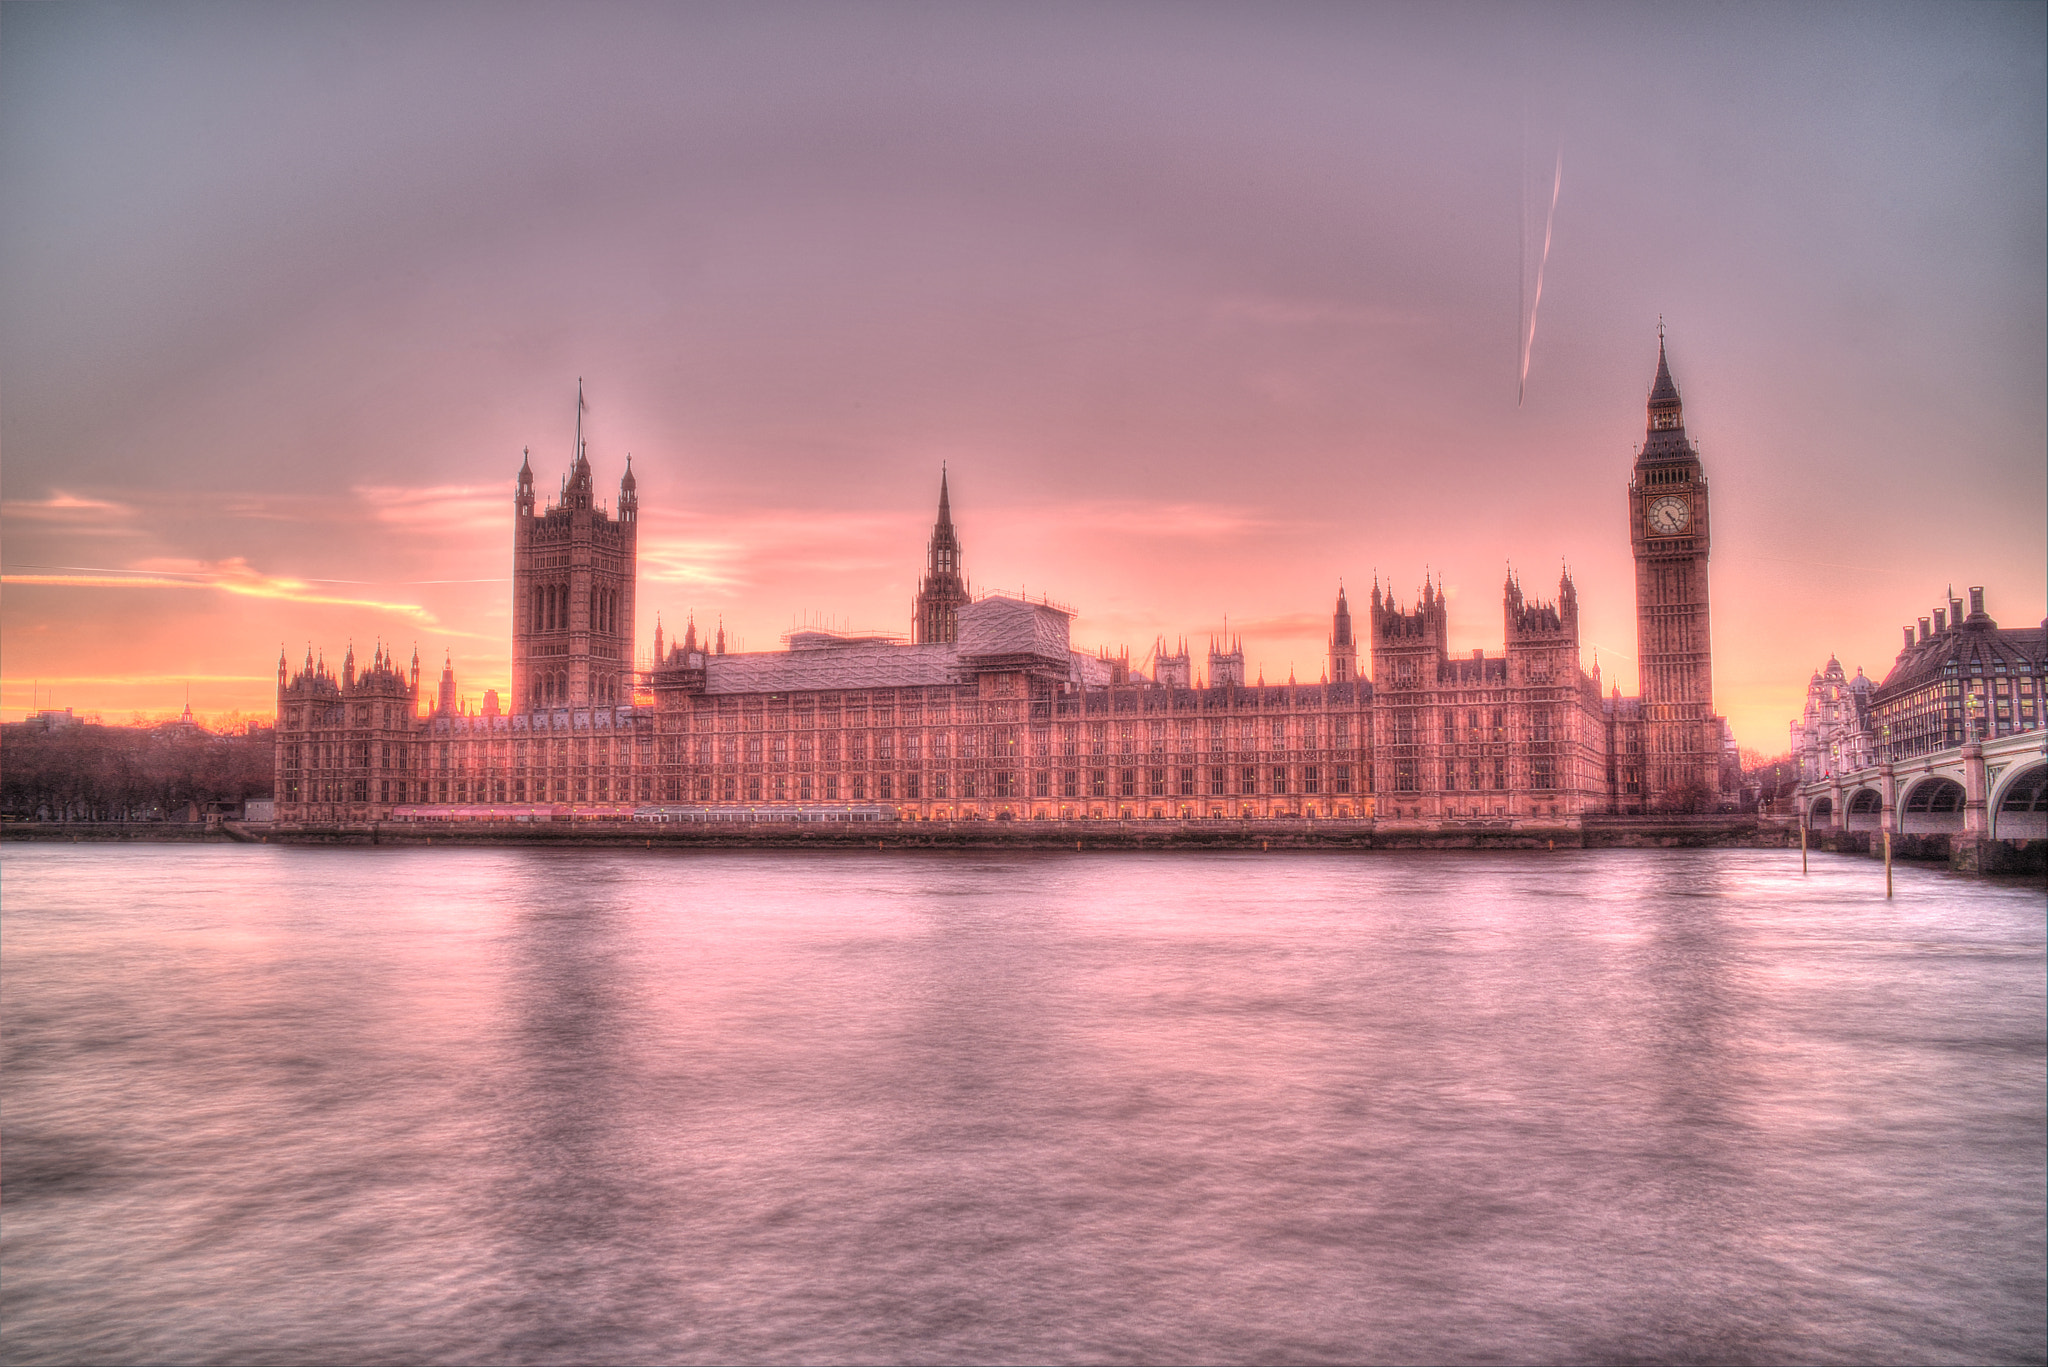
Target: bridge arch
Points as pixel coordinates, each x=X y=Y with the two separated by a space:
x=1932 y=805
x=1866 y=810
x=2019 y=810
x=1819 y=810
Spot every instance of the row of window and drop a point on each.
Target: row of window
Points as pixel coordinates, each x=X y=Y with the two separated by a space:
x=1475 y=775
x=856 y=748
x=1184 y=781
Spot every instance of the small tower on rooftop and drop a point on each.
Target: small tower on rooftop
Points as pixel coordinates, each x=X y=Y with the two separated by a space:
x=943 y=590
x=1343 y=646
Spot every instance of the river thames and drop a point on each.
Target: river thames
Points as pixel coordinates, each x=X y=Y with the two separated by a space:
x=444 y=1105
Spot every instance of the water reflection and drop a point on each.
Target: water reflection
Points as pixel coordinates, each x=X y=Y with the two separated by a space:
x=546 y=1106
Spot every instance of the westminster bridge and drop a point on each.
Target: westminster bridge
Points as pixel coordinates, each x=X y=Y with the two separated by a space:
x=1982 y=789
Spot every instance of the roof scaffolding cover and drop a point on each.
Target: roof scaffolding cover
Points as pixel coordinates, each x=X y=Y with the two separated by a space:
x=998 y=626
x=852 y=665
x=996 y=632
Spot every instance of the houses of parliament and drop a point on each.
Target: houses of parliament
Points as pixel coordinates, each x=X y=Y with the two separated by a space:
x=986 y=712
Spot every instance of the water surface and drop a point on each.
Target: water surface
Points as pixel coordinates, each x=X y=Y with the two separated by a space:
x=295 y=1105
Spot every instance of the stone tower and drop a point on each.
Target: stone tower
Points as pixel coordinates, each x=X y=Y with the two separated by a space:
x=1408 y=662
x=1668 y=527
x=1172 y=670
x=1543 y=670
x=1542 y=638
x=573 y=572
x=943 y=590
x=1226 y=662
x=1343 y=648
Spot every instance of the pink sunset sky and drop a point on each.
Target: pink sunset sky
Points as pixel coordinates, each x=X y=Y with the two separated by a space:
x=1205 y=308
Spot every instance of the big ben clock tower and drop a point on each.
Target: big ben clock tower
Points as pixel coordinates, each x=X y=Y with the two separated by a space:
x=1668 y=527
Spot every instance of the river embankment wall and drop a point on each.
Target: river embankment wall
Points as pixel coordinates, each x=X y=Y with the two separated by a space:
x=1744 y=831
x=1598 y=833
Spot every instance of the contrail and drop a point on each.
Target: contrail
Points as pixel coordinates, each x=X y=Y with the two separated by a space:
x=1549 y=222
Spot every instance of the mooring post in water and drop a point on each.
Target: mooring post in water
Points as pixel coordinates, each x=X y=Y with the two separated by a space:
x=1887 y=863
x=1802 y=847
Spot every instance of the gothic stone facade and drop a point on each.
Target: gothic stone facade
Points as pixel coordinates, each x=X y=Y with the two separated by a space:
x=573 y=575
x=988 y=713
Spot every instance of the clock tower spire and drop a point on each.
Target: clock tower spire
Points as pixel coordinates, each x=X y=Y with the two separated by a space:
x=1668 y=529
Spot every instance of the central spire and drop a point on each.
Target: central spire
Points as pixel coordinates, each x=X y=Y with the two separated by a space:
x=943 y=555
x=943 y=590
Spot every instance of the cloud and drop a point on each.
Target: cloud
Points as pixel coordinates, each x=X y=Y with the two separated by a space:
x=66 y=513
x=59 y=506
x=443 y=507
x=1286 y=624
x=1137 y=518
x=233 y=576
x=821 y=543
x=133 y=680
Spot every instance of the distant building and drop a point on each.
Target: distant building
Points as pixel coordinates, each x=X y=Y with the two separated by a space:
x=1950 y=741
x=989 y=713
x=1833 y=733
x=1959 y=668
x=185 y=727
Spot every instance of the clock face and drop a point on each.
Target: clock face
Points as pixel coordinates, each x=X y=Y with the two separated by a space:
x=1669 y=516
